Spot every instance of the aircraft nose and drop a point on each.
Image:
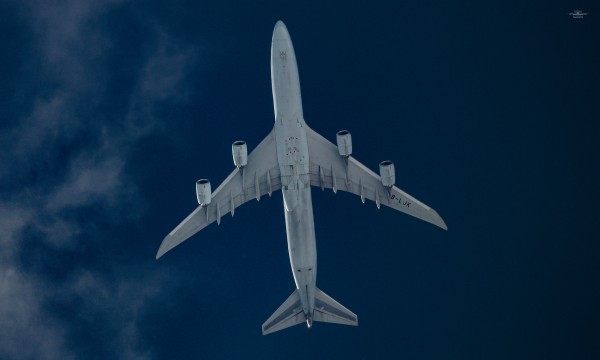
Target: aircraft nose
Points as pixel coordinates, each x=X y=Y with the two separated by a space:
x=280 y=32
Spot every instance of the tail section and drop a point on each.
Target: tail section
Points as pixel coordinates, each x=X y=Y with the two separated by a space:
x=290 y=313
x=326 y=309
x=331 y=311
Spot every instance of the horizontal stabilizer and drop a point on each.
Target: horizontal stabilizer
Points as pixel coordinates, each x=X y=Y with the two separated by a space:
x=290 y=313
x=331 y=311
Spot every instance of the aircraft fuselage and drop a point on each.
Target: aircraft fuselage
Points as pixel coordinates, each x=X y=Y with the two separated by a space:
x=292 y=154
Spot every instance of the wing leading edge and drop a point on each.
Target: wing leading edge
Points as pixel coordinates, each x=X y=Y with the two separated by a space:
x=329 y=170
x=259 y=177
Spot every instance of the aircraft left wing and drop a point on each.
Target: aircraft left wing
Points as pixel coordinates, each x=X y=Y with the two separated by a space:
x=329 y=170
x=259 y=177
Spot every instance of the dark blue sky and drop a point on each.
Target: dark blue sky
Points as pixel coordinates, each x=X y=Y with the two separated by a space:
x=110 y=110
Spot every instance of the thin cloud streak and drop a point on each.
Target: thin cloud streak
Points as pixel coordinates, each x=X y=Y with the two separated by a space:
x=71 y=160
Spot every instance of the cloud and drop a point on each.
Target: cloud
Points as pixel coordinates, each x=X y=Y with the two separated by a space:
x=162 y=78
x=68 y=153
x=26 y=332
x=164 y=73
x=90 y=179
x=13 y=219
x=68 y=39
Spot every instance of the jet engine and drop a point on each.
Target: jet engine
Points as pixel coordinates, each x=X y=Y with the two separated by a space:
x=344 y=143
x=387 y=173
x=240 y=153
x=203 y=192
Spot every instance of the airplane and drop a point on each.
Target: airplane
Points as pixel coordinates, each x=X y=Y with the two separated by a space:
x=292 y=158
x=577 y=14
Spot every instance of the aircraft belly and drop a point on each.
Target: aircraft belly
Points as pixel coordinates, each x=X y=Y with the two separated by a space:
x=300 y=230
x=302 y=248
x=292 y=155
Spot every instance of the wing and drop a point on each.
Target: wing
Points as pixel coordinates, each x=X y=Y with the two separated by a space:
x=329 y=170
x=259 y=177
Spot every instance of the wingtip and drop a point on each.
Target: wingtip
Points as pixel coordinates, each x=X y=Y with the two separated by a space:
x=438 y=221
x=165 y=247
x=161 y=251
x=442 y=224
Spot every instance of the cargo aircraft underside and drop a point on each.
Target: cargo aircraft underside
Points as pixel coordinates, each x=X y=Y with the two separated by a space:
x=292 y=158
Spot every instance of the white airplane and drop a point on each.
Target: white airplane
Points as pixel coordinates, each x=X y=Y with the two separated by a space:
x=293 y=157
x=577 y=14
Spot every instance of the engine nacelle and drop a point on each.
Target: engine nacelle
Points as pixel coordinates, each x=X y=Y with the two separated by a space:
x=203 y=192
x=344 y=143
x=239 y=151
x=387 y=173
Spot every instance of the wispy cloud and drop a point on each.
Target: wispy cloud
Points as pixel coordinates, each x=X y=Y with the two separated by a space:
x=27 y=332
x=67 y=154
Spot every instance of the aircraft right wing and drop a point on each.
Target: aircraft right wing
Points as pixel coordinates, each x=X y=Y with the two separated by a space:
x=259 y=177
x=330 y=170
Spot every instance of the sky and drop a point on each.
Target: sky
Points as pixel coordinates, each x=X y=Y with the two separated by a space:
x=110 y=110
